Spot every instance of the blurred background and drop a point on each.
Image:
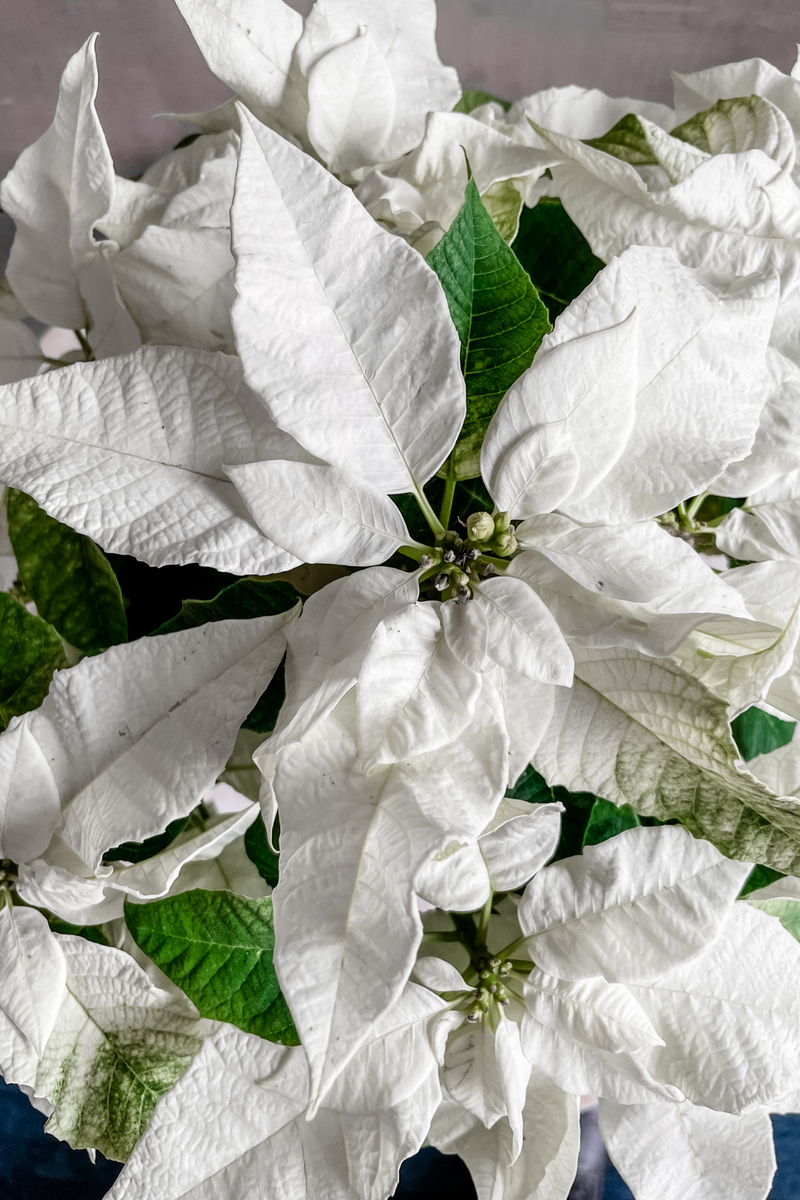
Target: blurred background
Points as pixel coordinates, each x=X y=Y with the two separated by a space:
x=149 y=63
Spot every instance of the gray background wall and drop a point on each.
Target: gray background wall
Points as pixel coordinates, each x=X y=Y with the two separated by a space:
x=149 y=63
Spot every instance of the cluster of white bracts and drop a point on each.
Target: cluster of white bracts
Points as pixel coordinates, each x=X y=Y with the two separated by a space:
x=273 y=360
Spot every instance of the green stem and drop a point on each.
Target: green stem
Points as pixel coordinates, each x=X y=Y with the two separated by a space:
x=694 y=507
x=449 y=492
x=85 y=347
x=430 y=516
x=508 y=950
x=416 y=552
x=482 y=929
x=500 y=563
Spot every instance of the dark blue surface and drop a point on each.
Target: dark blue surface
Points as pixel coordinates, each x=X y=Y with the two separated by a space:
x=36 y=1166
x=786 y=1185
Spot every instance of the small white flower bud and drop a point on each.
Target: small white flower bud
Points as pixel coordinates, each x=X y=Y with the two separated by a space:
x=480 y=527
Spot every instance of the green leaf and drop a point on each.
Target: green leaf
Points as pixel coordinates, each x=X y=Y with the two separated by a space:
x=497 y=312
x=259 y=852
x=628 y=141
x=578 y=808
x=757 y=732
x=30 y=651
x=531 y=787
x=68 y=577
x=555 y=254
x=758 y=878
x=92 y=933
x=263 y=717
x=136 y=852
x=153 y=595
x=473 y=98
x=607 y=820
x=243 y=600
x=787 y=912
x=217 y=948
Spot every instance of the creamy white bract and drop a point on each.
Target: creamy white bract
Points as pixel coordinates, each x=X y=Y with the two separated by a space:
x=516 y=833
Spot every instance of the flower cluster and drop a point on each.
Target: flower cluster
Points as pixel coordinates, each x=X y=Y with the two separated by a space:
x=483 y=421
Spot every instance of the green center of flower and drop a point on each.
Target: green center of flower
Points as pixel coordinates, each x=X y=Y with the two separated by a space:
x=457 y=563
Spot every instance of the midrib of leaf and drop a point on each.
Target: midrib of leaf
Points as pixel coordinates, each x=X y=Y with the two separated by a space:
x=154 y=462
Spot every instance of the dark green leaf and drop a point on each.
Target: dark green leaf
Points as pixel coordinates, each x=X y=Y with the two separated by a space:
x=626 y=141
x=154 y=594
x=67 y=576
x=92 y=933
x=497 y=312
x=243 y=600
x=555 y=254
x=757 y=732
x=607 y=820
x=531 y=787
x=136 y=852
x=578 y=808
x=259 y=852
x=217 y=948
x=473 y=98
x=759 y=877
x=30 y=651
x=263 y=717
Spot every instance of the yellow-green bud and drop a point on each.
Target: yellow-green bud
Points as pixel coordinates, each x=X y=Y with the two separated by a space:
x=458 y=579
x=505 y=544
x=480 y=527
x=502 y=522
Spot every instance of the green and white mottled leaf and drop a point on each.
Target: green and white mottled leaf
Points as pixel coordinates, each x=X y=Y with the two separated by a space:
x=641 y=143
x=30 y=651
x=638 y=731
x=67 y=576
x=236 y=1120
x=683 y=1152
x=629 y=908
x=217 y=948
x=497 y=312
x=130 y=740
x=359 y=359
x=786 y=910
x=117 y=1045
x=735 y=214
x=743 y=123
x=135 y=466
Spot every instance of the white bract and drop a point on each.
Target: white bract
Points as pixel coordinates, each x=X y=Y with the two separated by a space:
x=552 y=703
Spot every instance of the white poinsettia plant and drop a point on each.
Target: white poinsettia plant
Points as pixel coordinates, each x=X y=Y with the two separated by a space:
x=400 y=672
